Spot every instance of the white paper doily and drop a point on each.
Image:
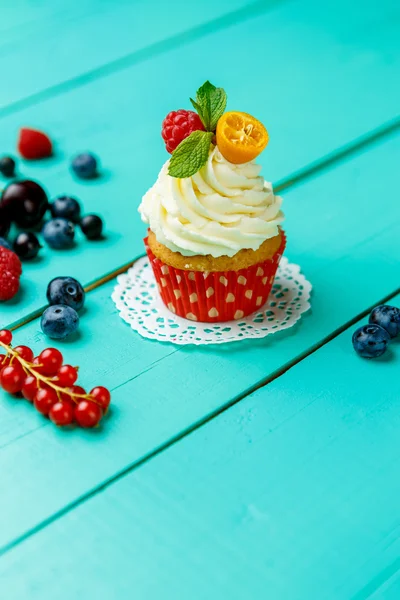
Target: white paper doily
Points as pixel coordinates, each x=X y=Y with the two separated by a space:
x=137 y=299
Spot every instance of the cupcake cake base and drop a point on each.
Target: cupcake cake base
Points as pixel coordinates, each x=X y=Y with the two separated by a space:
x=139 y=304
x=211 y=296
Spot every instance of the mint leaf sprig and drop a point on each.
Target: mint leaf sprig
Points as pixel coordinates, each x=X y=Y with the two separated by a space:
x=192 y=153
x=210 y=104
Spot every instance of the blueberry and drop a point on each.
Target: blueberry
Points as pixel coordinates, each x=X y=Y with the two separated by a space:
x=5 y=244
x=66 y=291
x=26 y=245
x=370 y=341
x=85 y=166
x=387 y=317
x=59 y=321
x=59 y=233
x=92 y=227
x=65 y=207
x=7 y=166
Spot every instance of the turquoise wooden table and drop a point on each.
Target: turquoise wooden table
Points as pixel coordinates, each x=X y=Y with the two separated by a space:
x=266 y=469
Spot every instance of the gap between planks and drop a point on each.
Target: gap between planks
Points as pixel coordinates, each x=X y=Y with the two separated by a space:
x=329 y=160
x=243 y=14
x=344 y=152
x=183 y=434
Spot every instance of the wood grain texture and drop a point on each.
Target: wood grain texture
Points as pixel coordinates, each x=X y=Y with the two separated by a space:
x=350 y=256
x=293 y=493
x=65 y=42
x=314 y=53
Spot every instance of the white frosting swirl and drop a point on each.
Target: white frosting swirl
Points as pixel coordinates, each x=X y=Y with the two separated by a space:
x=220 y=210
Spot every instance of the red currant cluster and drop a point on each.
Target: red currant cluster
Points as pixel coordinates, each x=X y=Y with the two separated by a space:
x=50 y=385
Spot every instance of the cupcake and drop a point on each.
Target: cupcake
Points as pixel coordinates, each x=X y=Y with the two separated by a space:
x=214 y=237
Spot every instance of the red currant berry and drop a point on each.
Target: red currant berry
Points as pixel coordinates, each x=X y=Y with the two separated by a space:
x=25 y=353
x=4 y=361
x=62 y=413
x=5 y=337
x=37 y=364
x=44 y=400
x=77 y=389
x=12 y=378
x=88 y=414
x=30 y=388
x=66 y=376
x=101 y=396
x=66 y=397
x=70 y=392
x=51 y=360
x=178 y=125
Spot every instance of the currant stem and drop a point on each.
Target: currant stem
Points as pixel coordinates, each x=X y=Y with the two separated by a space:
x=29 y=368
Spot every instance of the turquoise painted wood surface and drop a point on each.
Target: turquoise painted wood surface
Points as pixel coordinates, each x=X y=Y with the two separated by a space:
x=351 y=267
x=65 y=41
x=308 y=116
x=292 y=493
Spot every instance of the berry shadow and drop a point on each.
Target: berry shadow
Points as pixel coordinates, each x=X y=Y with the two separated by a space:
x=56 y=157
x=104 y=176
x=71 y=246
x=92 y=431
x=19 y=296
x=74 y=428
x=102 y=238
x=36 y=229
x=45 y=160
x=71 y=339
x=32 y=261
x=111 y=410
x=388 y=357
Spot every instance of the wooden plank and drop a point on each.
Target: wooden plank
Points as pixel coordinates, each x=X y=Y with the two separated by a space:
x=119 y=117
x=350 y=255
x=63 y=41
x=293 y=493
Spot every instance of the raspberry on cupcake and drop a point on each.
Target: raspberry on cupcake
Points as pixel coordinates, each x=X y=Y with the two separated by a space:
x=178 y=125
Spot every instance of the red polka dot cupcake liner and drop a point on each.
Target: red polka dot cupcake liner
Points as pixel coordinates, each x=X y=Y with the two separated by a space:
x=217 y=296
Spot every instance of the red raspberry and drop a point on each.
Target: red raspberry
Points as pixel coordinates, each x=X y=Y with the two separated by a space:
x=177 y=125
x=10 y=272
x=33 y=144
